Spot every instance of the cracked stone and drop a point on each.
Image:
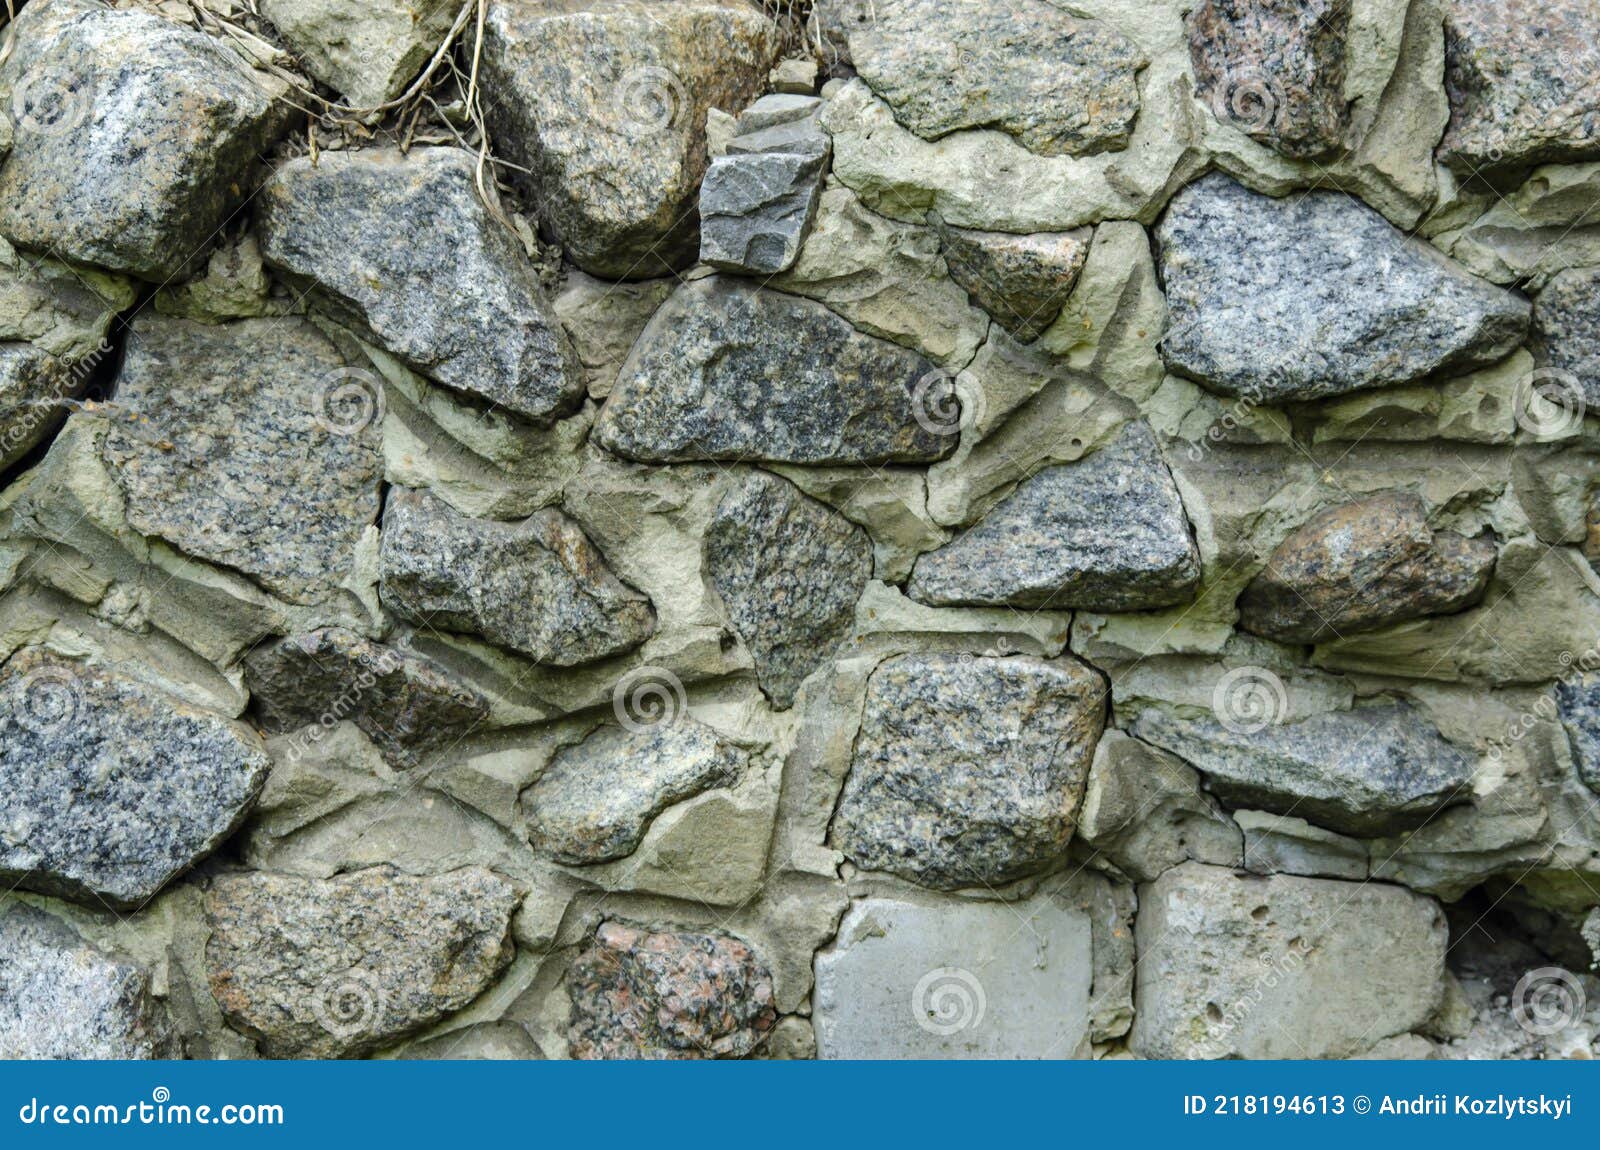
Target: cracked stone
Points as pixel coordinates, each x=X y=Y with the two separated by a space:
x=760 y=197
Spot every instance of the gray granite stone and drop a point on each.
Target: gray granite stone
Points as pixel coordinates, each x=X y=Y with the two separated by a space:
x=760 y=197
x=135 y=140
x=595 y=801
x=729 y=371
x=1566 y=332
x=789 y=571
x=1062 y=85
x=367 y=50
x=333 y=968
x=34 y=388
x=1316 y=295
x=1373 y=771
x=1022 y=281
x=537 y=586
x=968 y=770
x=1578 y=706
x=251 y=445
x=1106 y=533
x=404 y=246
x=109 y=789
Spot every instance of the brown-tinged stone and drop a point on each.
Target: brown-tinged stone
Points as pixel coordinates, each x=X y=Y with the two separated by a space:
x=1022 y=281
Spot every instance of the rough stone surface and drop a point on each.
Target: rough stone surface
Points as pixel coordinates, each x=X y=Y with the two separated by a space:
x=604 y=319
x=968 y=771
x=34 y=386
x=367 y=50
x=62 y=998
x=1521 y=82
x=1060 y=84
x=1578 y=705
x=1022 y=281
x=668 y=994
x=1374 y=770
x=1566 y=331
x=539 y=587
x=1047 y=544
x=1275 y=70
x=595 y=801
x=790 y=572
x=329 y=968
x=760 y=197
x=409 y=706
x=135 y=138
x=112 y=789
x=1233 y=966
x=1353 y=303
x=1364 y=566
x=251 y=445
x=729 y=371
x=405 y=246
x=606 y=104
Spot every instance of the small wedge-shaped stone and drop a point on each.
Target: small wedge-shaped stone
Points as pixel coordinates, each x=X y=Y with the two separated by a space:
x=405 y=246
x=789 y=571
x=1106 y=533
x=109 y=789
x=1521 y=80
x=134 y=137
x=968 y=771
x=729 y=371
x=1566 y=331
x=331 y=968
x=236 y=444
x=537 y=586
x=368 y=50
x=34 y=388
x=1373 y=771
x=605 y=103
x=407 y=704
x=595 y=801
x=1363 y=566
x=61 y=998
x=1060 y=84
x=1274 y=69
x=1022 y=281
x=1316 y=295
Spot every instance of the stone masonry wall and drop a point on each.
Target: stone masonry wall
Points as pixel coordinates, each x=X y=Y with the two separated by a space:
x=874 y=528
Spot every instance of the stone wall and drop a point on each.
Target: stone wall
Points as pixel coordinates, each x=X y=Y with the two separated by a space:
x=700 y=529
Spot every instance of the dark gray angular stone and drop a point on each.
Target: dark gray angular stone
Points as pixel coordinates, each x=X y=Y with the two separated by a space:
x=34 y=386
x=1062 y=85
x=1373 y=771
x=61 y=998
x=108 y=789
x=1566 y=330
x=729 y=371
x=789 y=571
x=779 y=108
x=595 y=801
x=1578 y=706
x=404 y=245
x=134 y=137
x=1106 y=533
x=1316 y=295
x=231 y=444
x=758 y=200
x=968 y=771
x=408 y=705
x=333 y=968
x=1363 y=566
x=537 y=586
x=1275 y=70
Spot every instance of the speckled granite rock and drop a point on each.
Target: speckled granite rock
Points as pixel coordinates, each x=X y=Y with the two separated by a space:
x=1275 y=70
x=673 y=994
x=405 y=246
x=409 y=706
x=149 y=150
x=1353 y=302
x=233 y=444
x=1022 y=281
x=726 y=370
x=606 y=103
x=1578 y=705
x=1566 y=329
x=537 y=586
x=1364 y=566
x=62 y=998
x=1062 y=85
x=595 y=801
x=367 y=50
x=1520 y=75
x=330 y=968
x=760 y=197
x=33 y=388
x=789 y=571
x=1376 y=770
x=1106 y=533
x=1236 y=966
x=112 y=789
x=968 y=771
